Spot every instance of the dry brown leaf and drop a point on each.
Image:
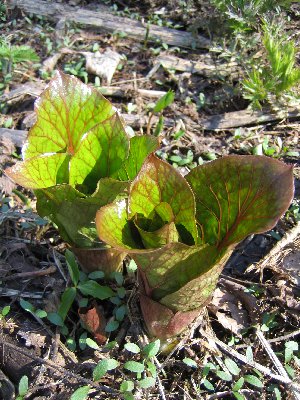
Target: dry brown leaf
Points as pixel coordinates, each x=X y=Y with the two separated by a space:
x=94 y=321
x=102 y=64
x=229 y=311
x=291 y=264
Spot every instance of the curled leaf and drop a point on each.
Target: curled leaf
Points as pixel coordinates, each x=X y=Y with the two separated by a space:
x=240 y=195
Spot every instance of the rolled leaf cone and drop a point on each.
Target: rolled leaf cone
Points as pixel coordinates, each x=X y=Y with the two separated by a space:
x=173 y=313
x=213 y=208
x=106 y=260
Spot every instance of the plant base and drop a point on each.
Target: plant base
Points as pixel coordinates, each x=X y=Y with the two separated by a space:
x=106 y=260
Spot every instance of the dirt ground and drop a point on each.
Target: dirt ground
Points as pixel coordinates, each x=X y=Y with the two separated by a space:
x=261 y=282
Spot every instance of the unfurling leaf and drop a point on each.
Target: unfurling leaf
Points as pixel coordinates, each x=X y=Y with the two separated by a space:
x=180 y=232
x=164 y=101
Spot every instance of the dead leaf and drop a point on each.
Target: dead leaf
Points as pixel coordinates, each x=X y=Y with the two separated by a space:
x=50 y=62
x=291 y=264
x=32 y=339
x=102 y=64
x=94 y=320
x=228 y=310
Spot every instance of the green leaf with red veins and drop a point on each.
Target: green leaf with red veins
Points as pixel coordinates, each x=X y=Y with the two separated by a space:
x=140 y=148
x=166 y=234
x=115 y=229
x=240 y=195
x=37 y=172
x=74 y=213
x=199 y=289
x=171 y=267
x=159 y=182
x=101 y=153
x=66 y=110
x=159 y=229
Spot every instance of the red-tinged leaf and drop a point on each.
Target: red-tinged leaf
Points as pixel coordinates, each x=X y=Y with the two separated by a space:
x=37 y=172
x=167 y=234
x=156 y=183
x=100 y=153
x=66 y=110
x=240 y=195
x=115 y=229
x=162 y=322
x=106 y=260
x=74 y=213
x=199 y=289
x=140 y=148
x=78 y=138
x=94 y=321
x=171 y=267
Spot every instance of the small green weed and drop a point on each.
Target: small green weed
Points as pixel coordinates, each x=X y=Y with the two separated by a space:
x=243 y=15
x=77 y=68
x=86 y=285
x=81 y=393
x=3 y=313
x=277 y=76
x=10 y=55
x=158 y=108
x=22 y=388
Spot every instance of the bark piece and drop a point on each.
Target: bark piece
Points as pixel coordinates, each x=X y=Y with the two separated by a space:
x=18 y=137
x=104 y=21
x=205 y=65
x=237 y=119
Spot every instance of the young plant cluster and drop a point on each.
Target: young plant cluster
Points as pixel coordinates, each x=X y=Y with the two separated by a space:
x=107 y=191
x=264 y=49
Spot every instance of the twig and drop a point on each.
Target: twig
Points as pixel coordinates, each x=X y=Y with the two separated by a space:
x=161 y=388
x=53 y=366
x=276 y=361
x=18 y=293
x=288 y=238
x=271 y=354
x=254 y=364
x=284 y=337
x=128 y=81
x=59 y=266
x=56 y=342
x=274 y=340
x=220 y=395
x=31 y=274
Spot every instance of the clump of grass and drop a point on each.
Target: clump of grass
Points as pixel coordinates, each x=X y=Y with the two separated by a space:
x=11 y=55
x=277 y=76
x=243 y=15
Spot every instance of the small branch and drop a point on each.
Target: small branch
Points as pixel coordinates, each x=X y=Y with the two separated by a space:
x=276 y=361
x=254 y=364
x=18 y=293
x=54 y=367
x=284 y=337
x=271 y=354
x=287 y=239
x=30 y=275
